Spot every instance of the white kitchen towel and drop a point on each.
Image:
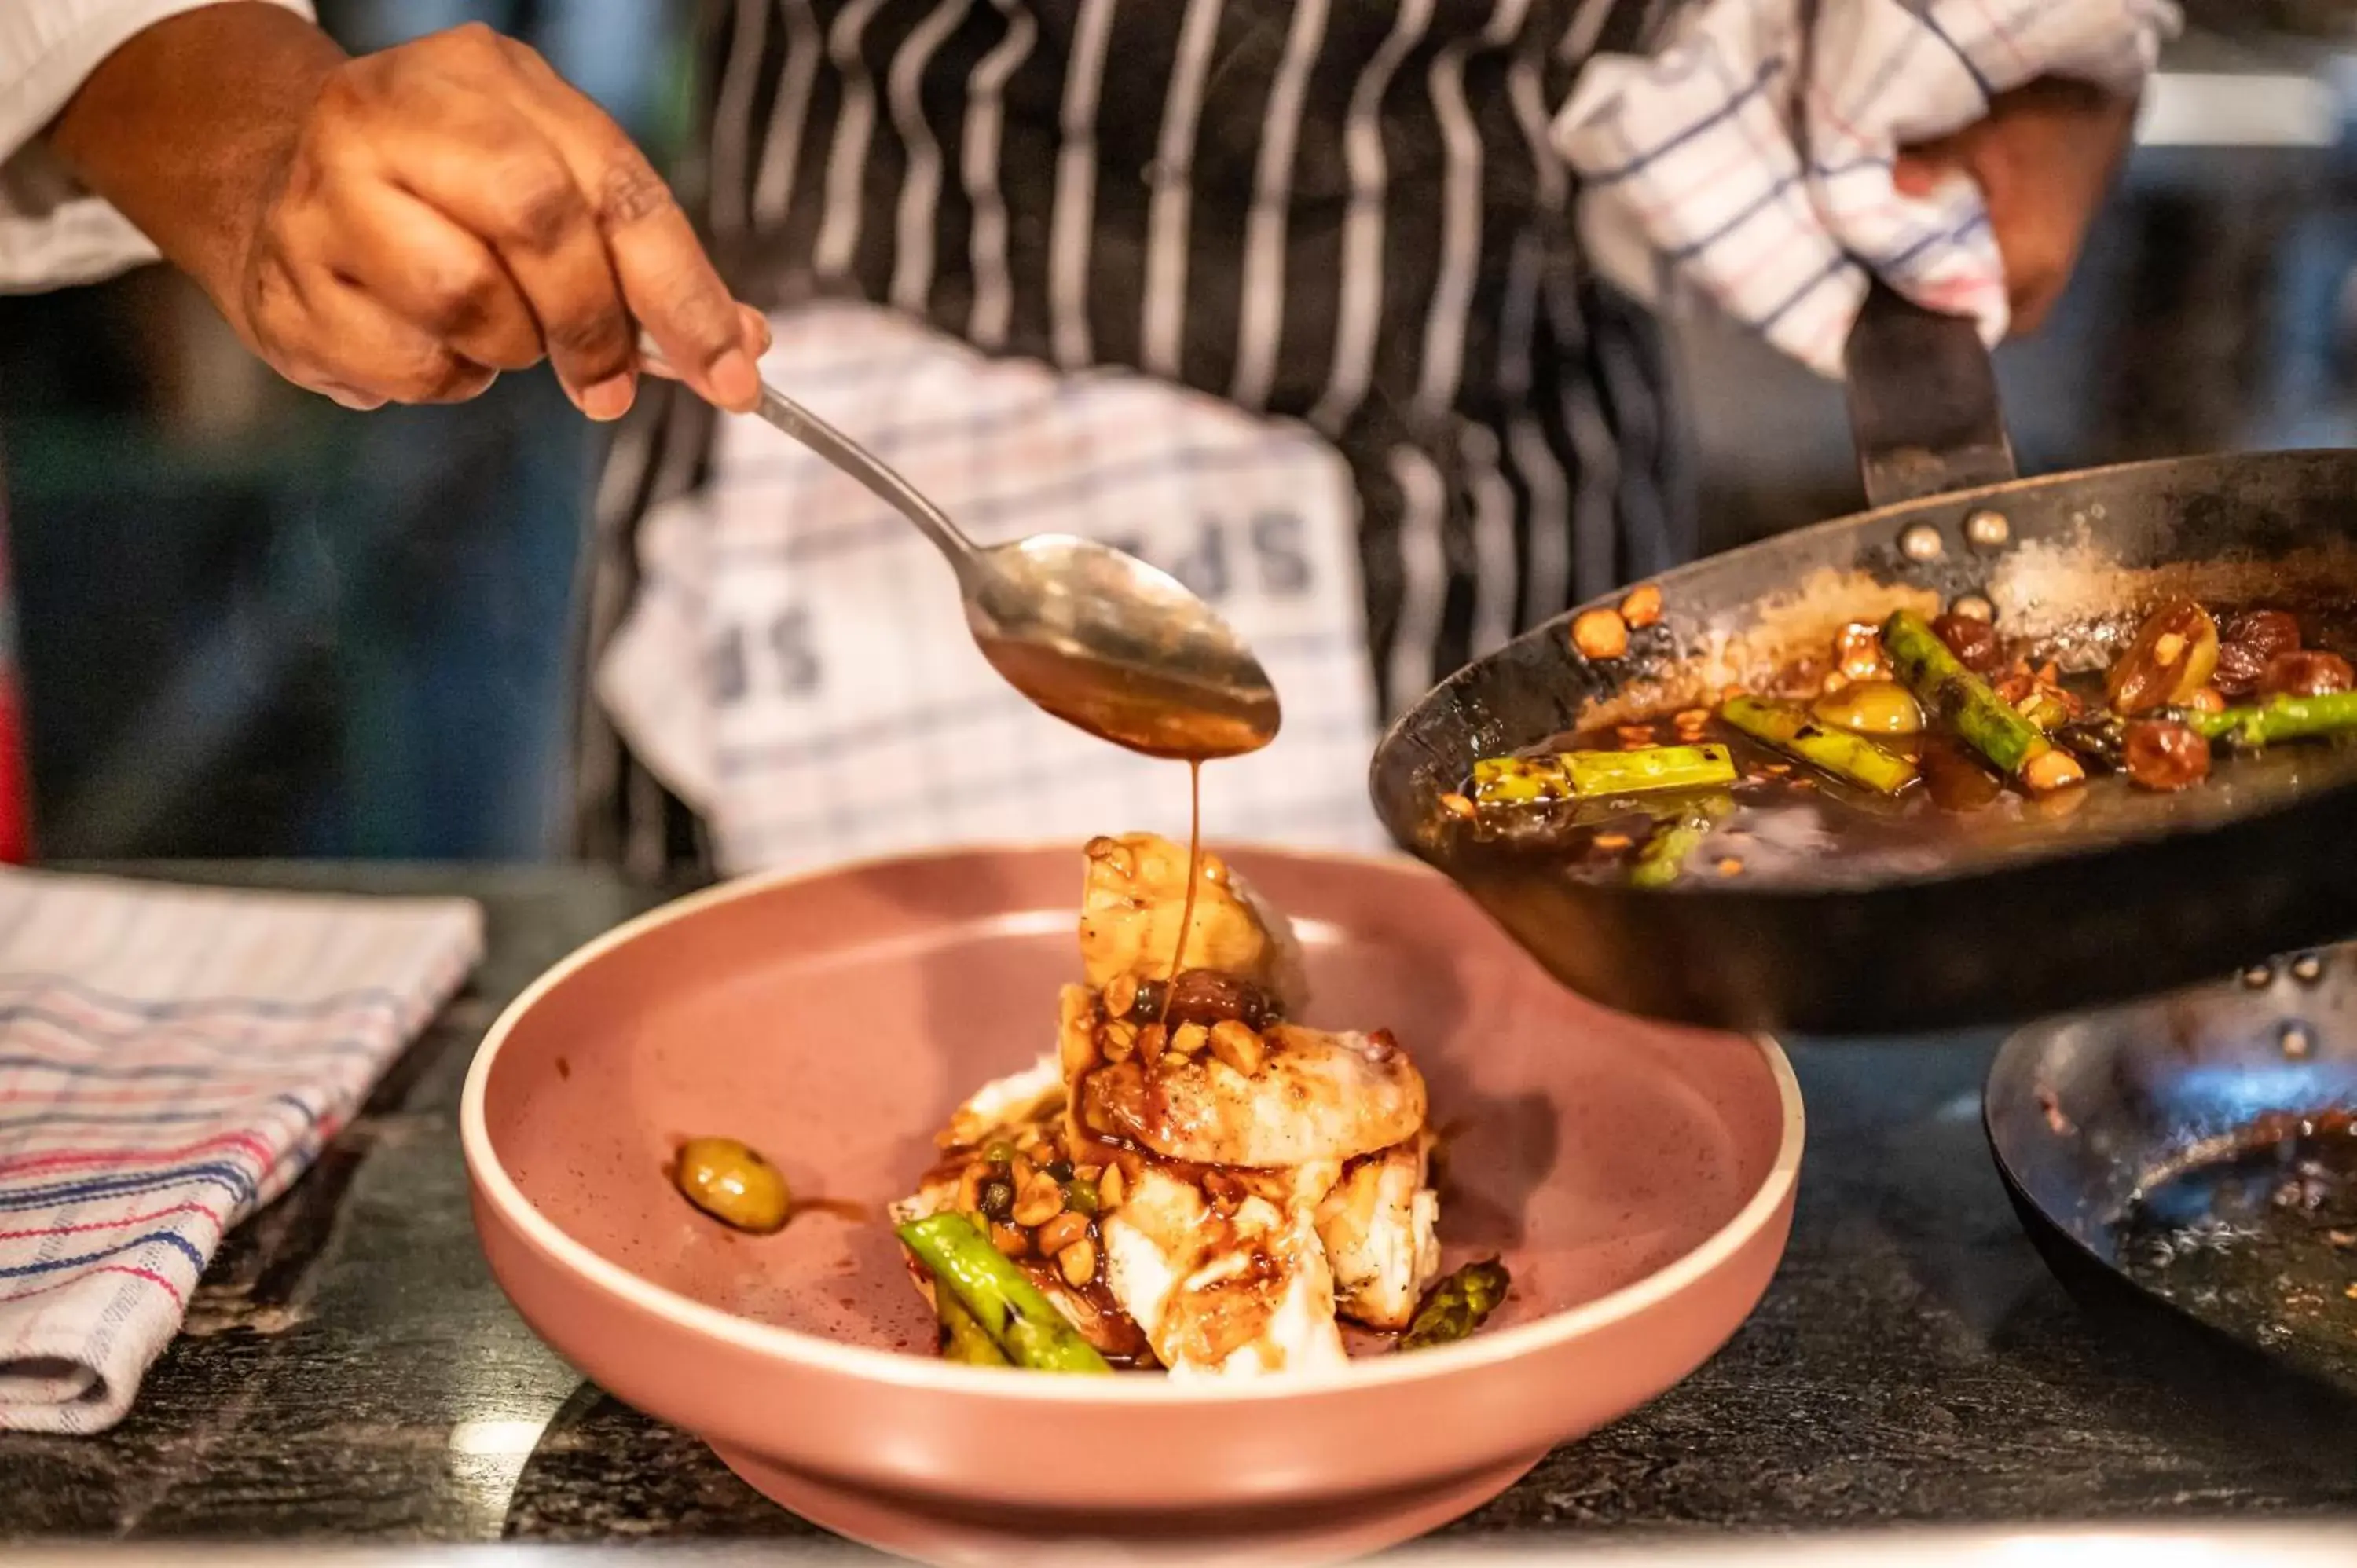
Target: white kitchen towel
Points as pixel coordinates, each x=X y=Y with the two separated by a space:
x=797 y=669
x=170 y=1059
x=1690 y=164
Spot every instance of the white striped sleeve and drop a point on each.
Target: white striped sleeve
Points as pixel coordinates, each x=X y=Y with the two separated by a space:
x=53 y=233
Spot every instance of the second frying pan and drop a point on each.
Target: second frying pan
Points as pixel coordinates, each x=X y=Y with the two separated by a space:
x=2089 y=913
x=2186 y=1166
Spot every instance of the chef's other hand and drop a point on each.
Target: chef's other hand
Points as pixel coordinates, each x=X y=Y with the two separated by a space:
x=404 y=226
x=2044 y=158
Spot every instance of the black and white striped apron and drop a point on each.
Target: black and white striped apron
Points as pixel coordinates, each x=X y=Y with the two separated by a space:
x=1342 y=213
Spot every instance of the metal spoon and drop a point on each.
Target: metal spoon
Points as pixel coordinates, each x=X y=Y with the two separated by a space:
x=1092 y=634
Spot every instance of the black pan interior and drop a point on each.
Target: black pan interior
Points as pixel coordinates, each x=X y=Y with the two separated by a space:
x=2193 y=1160
x=2090 y=909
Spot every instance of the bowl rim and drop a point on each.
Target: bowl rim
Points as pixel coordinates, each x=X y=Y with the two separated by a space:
x=495 y=1188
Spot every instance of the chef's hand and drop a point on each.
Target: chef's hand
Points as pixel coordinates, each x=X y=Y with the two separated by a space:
x=404 y=226
x=2044 y=158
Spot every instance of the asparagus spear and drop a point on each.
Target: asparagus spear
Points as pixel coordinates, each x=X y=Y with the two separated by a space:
x=1789 y=727
x=1004 y=1304
x=961 y=1338
x=1592 y=775
x=1595 y=773
x=1664 y=854
x=1519 y=780
x=1985 y=721
x=1458 y=1306
x=2278 y=719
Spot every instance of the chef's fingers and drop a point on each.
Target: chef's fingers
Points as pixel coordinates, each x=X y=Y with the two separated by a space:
x=2036 y=245
x=432 y=273
x=470 y=156
x=672 y=289
x=1918 y=171
x=758 y=335
x=341 y=339
x=2044 y=158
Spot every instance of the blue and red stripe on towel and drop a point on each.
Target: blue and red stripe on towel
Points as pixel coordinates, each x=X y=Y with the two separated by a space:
x=171 y=1060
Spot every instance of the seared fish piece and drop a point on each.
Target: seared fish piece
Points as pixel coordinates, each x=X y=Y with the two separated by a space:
x=1192 y=1180
x=1289 y=1096
x=1381 y=1228
x=1003 y=1107
x=1132 y=894
x=1237 y=1295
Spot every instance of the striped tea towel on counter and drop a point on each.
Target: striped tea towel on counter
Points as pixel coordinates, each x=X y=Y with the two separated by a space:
x=1691 y=166
x=171 y=1058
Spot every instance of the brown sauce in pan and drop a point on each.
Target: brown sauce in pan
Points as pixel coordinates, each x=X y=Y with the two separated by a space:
x=1793 y=826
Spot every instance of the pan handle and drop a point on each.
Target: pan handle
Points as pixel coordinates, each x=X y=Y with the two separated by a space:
x=1922 y=402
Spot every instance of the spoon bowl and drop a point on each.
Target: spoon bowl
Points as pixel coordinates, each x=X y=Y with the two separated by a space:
x=1090 y=633
x=1103 y=640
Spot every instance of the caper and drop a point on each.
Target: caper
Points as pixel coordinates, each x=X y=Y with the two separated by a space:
x=731 y=1182
x=1061 y=1170
x=1147 y=1007
x=998 y=1151
x=997 y=1198
x=1081 y=1196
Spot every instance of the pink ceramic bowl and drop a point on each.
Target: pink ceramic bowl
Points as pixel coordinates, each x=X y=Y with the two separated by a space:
x=1637 y=1178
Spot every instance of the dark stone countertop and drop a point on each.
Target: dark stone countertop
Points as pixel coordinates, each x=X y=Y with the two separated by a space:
x=350 y=1372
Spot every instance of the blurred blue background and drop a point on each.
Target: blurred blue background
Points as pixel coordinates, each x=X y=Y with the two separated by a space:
x=253 y=624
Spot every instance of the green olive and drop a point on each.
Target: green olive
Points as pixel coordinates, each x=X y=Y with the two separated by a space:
x=731 y=1182
x=1871 y=707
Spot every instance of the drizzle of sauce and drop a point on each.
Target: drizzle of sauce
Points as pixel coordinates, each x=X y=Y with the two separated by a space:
x=1162 y=716
x=1194 y=869
x=842 y=1208
x=1147 y=711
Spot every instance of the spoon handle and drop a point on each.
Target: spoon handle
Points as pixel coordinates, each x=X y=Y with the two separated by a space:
x=852 y=458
